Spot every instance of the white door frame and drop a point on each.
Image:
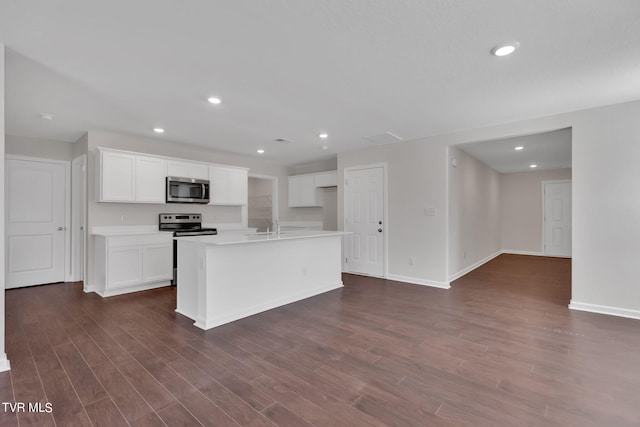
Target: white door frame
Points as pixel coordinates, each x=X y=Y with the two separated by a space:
x=79 y=218
x=67 y=203
x=385 y=222
x=544 y=237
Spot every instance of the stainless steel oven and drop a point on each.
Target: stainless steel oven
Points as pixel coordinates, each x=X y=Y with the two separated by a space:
x=181 y=225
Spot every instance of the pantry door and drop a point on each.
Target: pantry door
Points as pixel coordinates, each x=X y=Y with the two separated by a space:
x=365 y=219
x=36 y=221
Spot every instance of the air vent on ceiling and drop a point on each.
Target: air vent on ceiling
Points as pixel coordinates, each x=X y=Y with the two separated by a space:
x=383 y=138
x=282 y=141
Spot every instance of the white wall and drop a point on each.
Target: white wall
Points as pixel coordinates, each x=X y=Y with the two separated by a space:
x=521 y=209
x=474 y=213
x=4 y=363
x=416 y=179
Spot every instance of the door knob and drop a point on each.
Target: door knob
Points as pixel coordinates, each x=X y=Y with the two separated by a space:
x=62 y=228
x=379 y=230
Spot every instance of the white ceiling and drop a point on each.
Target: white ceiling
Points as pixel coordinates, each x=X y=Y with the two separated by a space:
x=292 y=69
x=548 y=150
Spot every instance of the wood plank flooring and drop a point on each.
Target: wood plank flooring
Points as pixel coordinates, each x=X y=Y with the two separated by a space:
x=500 y=348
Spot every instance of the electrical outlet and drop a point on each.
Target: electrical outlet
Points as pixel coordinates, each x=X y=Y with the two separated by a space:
x=123 y=218
x=412 y=261
x=464 y=254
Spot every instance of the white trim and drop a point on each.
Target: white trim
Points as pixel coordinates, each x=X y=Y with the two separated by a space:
x=4 y=363
x=385 y=220
x=417 y=281
x=603 y=309
x=544 y=222
x=130 y=289
x=472 y=267
x=68 y=275
x=516 y=252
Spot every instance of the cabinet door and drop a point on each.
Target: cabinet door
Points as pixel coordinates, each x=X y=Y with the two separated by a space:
x=157 y=263
x=187 y=170
x=116 y=177
x=198 y=171
x=238 y=183
x=302 y=191
x=326 y=179
x=124 y=267
x=150 y=179
x=179 y=169
x=218 y=186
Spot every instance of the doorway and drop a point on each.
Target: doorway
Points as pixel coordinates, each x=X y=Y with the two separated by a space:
x=365 y=218
x=262 y=204
x=37 y=221
x=556 y=202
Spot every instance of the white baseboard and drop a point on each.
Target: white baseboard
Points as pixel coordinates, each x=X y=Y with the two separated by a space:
x=417 y=281
x=603 y=309
x=472 y=267
x=4 y=362
x=514 y=252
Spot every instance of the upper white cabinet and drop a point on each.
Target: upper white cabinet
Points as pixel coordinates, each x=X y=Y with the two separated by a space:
x=116 y=178
x=150 y=179
x=326 y=179
x=187 y=169
x=127 y=177
x=228 y=186
x=306 y=190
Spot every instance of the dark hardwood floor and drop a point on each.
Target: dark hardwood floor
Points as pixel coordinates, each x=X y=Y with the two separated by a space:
x=500 y=348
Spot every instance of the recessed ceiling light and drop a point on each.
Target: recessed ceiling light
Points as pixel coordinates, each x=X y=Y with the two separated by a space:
x=214 y=100
x=323 y=135
x=519 y=148
x=260 y=151
x=533 y=166
x=158 y=130
x=505 y=49
x=46 y=116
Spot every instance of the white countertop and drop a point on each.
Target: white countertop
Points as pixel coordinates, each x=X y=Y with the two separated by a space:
x=143 y=230
x=234 y=239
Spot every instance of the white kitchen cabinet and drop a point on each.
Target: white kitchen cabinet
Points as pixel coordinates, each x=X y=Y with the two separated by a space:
x=303 y=191
x=187 y=170
x=306 y=190
x=130 y=263
x=150 y=184
x=228 y=186
x=326 y=179
x=116 y=176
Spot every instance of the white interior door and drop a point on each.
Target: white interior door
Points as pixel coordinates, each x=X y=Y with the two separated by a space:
x=35 y=222
x=364 y=217
x=557 y=219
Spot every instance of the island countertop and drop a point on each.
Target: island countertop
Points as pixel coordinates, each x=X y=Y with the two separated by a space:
x=235 y=239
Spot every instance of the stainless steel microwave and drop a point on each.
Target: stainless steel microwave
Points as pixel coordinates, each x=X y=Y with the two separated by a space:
x=187 y=190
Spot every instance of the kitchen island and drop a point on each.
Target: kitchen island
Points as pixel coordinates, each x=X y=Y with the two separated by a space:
x=228 y=277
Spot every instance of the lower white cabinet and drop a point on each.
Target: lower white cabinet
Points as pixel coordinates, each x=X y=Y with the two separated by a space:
x=130 y=263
